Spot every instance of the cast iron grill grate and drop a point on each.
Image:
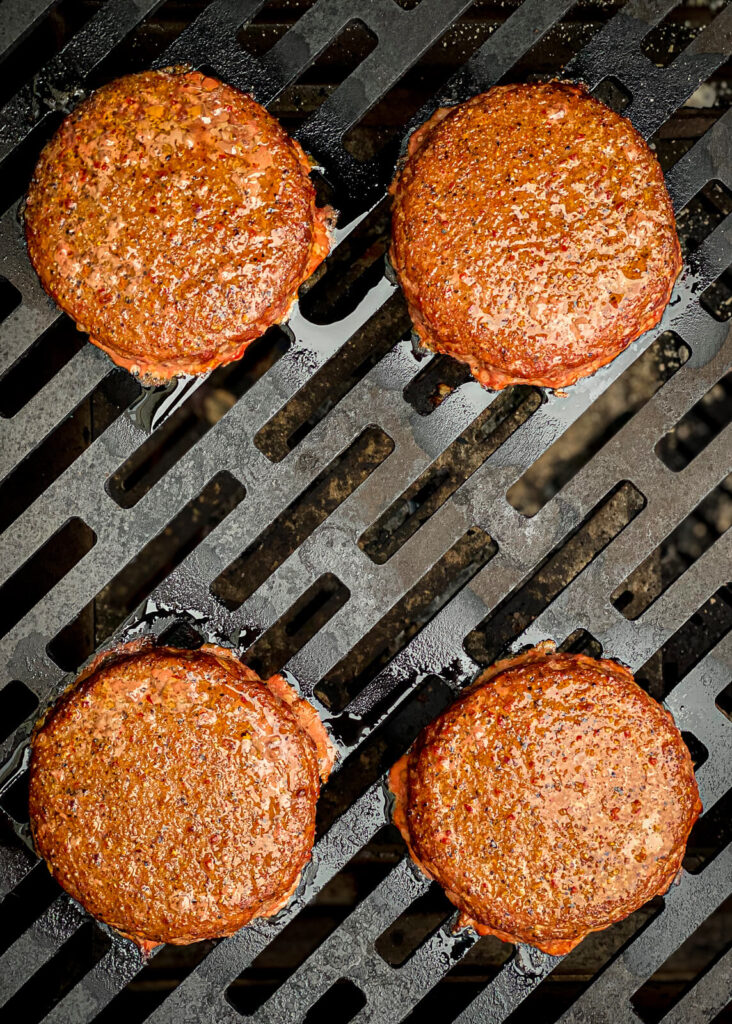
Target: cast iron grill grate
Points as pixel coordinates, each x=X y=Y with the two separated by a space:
x=370 y=519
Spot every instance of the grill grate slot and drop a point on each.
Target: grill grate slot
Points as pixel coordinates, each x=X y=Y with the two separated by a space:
x=366 y=582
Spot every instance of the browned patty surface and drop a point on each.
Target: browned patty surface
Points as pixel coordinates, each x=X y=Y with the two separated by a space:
x=173 y=792
x=554 y=798
x=173 y=218
x=532 y=234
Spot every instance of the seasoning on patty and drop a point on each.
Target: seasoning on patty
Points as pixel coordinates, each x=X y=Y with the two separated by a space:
x=173 y=792
x=532 y=234
x=174 y=219
x=552 y=799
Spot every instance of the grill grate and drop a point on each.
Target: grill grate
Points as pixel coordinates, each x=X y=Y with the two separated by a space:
x=390 y=553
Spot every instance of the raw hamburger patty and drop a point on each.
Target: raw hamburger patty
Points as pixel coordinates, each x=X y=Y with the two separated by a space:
x=532 y=234
x=552 y=799
x=174 y=220
x=173 y=792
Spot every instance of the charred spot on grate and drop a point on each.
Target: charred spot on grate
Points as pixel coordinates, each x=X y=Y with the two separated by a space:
x=679 y=972
x=404 y=620
x=43 y=570
x=665 y=41
x=17 y=702
x=312 y=610
x=301 y=98
x=63 y=446
x=404 y=936
x=350 y=271
x=39 y=364
x=57 y=976
x=698 y=427
x=457 y=464
x=710 y=835
x=339 y=1004
x=479 y=961
x=300 y=938
x=702 y=214
x=434 y=382
x=691 y=642
x=312 y=403
x=193 y=420
x=569 y=979
x=100 y=617
x=10 y=299
x=286 y=533
x=561 y=566
x=595 y=427
x=612 y=93
x=693 y=536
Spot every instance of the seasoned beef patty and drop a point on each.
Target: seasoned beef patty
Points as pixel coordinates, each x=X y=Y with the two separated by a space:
x=173 y=218
x=173 y=792
x=532 y=234
x=552 y=799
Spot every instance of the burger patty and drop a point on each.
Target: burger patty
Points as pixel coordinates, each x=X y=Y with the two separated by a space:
x=552 y=799
x=173 y=792
x=174 y=219
x=532 y=234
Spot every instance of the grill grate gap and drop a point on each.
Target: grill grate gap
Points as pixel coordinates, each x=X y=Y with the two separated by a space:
x=698 y=427
x=680 y=971
x=688 y=645
x=510 y=618
x=449 y=574
x=332 y=382
x=46 y=988
x=63 y=446
x=10 y=299
x=463 y=981
x=182 y=429
x=297 y=626
x=434 y=382
x=344 y=53
x=17 y=702
x=39 y=364
x=315 y=922
x=704 y=525
x=42 y=571
x=350 y=271
x=575 y=974
x=72 y=645
x=413 y=927
x=339 y=1004
x=287 y=532
x=710 y=835
x=681 y=26
x=456 y=464
x=601 y=422
x=33 y=895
